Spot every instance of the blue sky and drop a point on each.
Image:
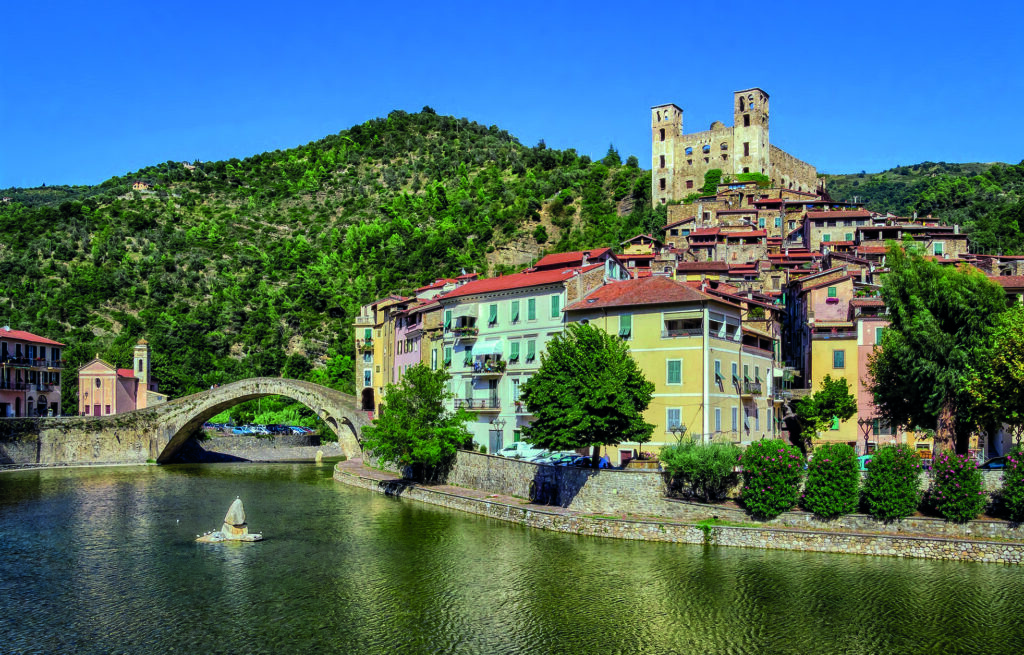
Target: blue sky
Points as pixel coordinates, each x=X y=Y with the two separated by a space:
x=92 y=90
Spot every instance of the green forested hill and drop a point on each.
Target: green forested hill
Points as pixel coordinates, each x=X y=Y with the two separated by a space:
x=257 y=266
x=986 y=199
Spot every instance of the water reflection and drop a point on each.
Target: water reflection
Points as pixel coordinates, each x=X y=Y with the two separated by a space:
x=103 y=560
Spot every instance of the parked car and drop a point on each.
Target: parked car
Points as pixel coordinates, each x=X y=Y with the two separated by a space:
x=521 y=450
x=993 y=464
x=240 y=430
x=561 y=459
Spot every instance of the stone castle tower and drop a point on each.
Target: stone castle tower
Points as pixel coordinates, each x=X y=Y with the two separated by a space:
x=679 y=161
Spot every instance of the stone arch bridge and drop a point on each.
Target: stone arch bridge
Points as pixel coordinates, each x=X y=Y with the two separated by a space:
x=157 y=433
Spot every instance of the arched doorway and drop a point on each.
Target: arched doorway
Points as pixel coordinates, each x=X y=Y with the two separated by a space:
x=41 y=406
x=367 y=404
x=30 y=405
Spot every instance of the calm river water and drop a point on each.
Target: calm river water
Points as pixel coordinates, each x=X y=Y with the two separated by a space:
x=103 y=561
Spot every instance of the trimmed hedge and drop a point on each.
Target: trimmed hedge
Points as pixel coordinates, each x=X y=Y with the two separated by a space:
x=833 y=481
x=891 y=489
x=772 y=472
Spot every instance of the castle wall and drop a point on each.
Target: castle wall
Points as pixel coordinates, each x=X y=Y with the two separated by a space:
x=787 y=169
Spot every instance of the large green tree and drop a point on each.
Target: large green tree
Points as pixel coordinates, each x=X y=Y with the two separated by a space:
x=819 y=410
x=588 y=392
x=942 y=320
x=997 y=382
x=414 y=428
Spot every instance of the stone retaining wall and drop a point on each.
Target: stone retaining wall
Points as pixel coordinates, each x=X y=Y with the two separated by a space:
x=271 y=449
x=761 y=537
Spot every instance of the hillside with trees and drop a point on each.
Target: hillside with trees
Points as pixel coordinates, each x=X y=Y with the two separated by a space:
x=238 y=268
x=987 y=200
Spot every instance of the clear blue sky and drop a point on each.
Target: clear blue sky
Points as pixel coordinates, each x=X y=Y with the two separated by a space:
x=92 y=90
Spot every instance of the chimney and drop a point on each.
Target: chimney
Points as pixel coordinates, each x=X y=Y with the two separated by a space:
x=586 y=257
x=956 y=229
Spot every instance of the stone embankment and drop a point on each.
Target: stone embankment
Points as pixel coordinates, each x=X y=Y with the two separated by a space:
x=278 y=448
x=582 y=500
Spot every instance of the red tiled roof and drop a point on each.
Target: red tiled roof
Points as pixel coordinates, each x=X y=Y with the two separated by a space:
x=1009 y=281
x=872 y=250
x=838 y=243
x=856 y=213
x=436 y=284
x=750 y=234
x=737 y=211
x=467 y=276
x=768 y=201
x=564 y=259
x=516 y=281
x=679 y=222
x=125 y=373
x=21 y=335
x=867 y=302
x=705 y=231
x=655 y=290
x=702 y=266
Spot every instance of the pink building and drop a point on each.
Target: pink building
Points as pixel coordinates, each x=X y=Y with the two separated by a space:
x=104 y=389
x=408 y=333
x=30 y=374
x=871 y=318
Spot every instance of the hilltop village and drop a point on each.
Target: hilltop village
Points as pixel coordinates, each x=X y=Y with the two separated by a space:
x=758 y=286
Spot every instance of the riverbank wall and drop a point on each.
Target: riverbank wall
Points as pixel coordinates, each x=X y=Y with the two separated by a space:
x=276 y=448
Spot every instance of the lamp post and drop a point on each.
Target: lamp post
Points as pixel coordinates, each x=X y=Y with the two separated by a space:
x=679 y=431
x=865 y=424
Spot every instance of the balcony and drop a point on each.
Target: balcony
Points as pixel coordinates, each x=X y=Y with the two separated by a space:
x=521 y=407
x=682 y=332
x=479 y=404
x=37 y=362
x=364 y=345
x=466 y=333
x=751 y=388
x=835 y=334
x=13 y=386
x=782 y=396
x=490 y=368
x=364 y=320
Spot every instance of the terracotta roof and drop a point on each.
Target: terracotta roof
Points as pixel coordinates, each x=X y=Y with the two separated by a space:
x=750 y=234
x=867 y=302
x=437 y=284
x=640 y=236
x=7 y=333
x=702 y=266
x=638 y=255
x=752 y=210
x=838 y=243
x=467 y=276
x=564 y=259
x=833 y=324
x=516 y=281
x=705 y=231
x=1009 y=281
x=768 y=201
x=857 y=213
x=679 y=222
x=872 y=250
x=655 y=290
x=125 y=373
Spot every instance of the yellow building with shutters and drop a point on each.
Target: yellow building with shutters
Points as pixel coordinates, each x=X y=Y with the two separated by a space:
x=713 y=380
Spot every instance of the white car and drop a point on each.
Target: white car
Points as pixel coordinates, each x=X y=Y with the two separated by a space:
x=521 y=450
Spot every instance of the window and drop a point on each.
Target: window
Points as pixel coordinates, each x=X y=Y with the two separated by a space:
x=515 y=389
x=514 y=317
x=492 y=315
x=531 y=350
x=746 y=372
x=555 y=309
x=662 y=161
x=735 y=373
x=140 y=366
x=625 y=325
x=880 y=428
x=735 y=419
x=87 y=410
x=447 y=356
x=673 y=418
x=662 y=132
x=718 y=419
x=517 y=435
x=938 y=248
x=849 y=236
x=878 y=334
x=706 y=149
x=447 y=319
x=778 y=221
x=825 y=238
x=531 y=309
x=433 y=360
x=746 y=120
x=723 y=146
x=661 y=183
x=675 y=371
x=689 y=151
x=689 y=184
x=757 y=419
x=718 y=371
x=760 y=222
x=832 y=292
x=768 y=423
x=838 y=359
x=746 y=151
x=513 y=355
x=107 y=409
x=367 y=358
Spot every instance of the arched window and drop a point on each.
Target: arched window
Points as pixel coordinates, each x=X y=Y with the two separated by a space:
x=706 y=148
x=743 y=104
x=689 y=151
x=724 y=146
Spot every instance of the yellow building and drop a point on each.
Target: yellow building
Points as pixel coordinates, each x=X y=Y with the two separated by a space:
x=712 y=381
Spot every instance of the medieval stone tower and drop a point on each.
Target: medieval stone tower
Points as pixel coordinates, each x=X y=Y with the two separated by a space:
x=666 y=126
x=750 y=132
x=142 y=371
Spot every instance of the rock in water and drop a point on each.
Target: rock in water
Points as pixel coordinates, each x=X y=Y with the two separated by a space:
x=234 y=528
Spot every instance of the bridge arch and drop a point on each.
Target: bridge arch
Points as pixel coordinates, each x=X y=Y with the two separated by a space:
x=179 y=419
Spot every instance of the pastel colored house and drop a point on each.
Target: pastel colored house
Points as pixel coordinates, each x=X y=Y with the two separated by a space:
x=30 y=374
x=104 y=389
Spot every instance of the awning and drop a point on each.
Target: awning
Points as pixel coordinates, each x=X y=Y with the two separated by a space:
x=488 y=348
x=467 y=309
x=680 y=316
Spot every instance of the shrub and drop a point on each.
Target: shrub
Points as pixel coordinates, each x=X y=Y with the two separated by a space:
x=772 y=470
x=833 y=481
x=891 y=489
x=957 y=487
x=1013 y=485
x=706 y=468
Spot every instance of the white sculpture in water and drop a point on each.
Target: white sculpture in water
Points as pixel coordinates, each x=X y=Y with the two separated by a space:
x=234 y=528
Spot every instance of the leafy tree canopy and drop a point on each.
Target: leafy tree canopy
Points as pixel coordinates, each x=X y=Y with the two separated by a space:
x=942 y=318
x=589 y=391
x=830 y=403
x=996 y=383
x=414 y=428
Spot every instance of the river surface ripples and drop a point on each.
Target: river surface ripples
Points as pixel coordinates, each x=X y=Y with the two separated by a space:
x=104 y=561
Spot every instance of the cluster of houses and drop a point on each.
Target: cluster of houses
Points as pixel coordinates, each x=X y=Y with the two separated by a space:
x=30 y=379
x=749 y=298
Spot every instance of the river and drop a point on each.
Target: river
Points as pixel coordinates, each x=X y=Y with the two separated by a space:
x=103 y=560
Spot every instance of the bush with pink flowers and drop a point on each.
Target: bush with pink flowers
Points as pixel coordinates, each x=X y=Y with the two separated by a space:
x=772 y=472
x=1013 y=485
x=957 y=490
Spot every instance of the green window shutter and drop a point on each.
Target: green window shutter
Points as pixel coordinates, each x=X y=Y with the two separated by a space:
x=838 y=359
x=878 y=335
x=778 y=223
x=531 y=309
x=514 y=351
x=447 y=356
x=832 y=292
x=515 y=311
x=849 y=236
x=937 y=249
x=448 y=319
x=368 y=334
x=531 y=350
x=675 y=372
x=555 y=300
x=835 y=422
x=625 y=325
x=825 y=238
x=492 y=316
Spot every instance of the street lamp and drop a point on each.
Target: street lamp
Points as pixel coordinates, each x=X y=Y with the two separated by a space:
x=865 y=423
x=678 y=431
x=498 y=423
